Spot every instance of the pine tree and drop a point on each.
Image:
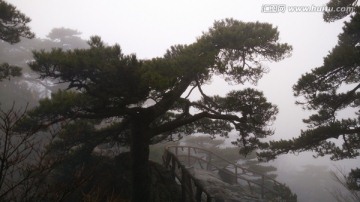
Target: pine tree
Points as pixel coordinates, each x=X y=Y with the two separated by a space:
x=117 y=98
x=13 y=26
x=329 y=90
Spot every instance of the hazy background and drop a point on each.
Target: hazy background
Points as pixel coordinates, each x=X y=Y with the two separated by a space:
x=148 y=28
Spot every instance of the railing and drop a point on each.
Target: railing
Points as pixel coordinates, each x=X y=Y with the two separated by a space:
x=192 y=190
x=254 y=185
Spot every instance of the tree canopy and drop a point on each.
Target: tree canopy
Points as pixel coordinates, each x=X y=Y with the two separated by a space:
x=28 y=89
x=22 y=169
x=7 y=70
x=118 y=98
x=13 y=26
x=329 y=90
x=332 y=91
x=338 y=9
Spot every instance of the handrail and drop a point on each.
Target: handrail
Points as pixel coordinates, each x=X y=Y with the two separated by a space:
x=239 y=176
x=176 y=163
x=225 y=160
x=175 y=154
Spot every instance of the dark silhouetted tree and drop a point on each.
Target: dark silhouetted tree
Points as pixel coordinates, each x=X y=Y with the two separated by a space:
x=13 y=26
x=21 y=158
x=6 y=71
x=139 y=102
x=23 y=163
x=350 y=182
x=330 y=89
x=338 y=9
x=28 y=89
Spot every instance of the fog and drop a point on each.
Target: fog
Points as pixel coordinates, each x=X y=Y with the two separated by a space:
x=148 y=28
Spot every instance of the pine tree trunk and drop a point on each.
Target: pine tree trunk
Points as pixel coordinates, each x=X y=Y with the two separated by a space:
x=140 y=162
